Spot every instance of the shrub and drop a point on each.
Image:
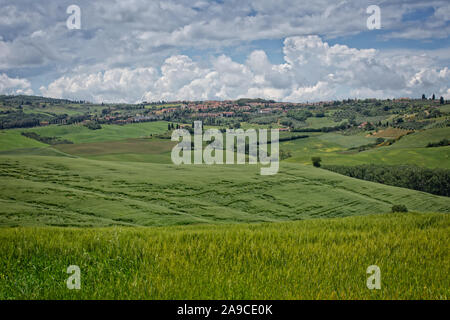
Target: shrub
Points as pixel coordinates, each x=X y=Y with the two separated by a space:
x=93 y=126
x=379 y=141
x=399 y=208
x=285 y=154
x=316 y=161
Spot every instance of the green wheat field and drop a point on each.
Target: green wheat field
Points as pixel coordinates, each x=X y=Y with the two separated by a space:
x=313 y=259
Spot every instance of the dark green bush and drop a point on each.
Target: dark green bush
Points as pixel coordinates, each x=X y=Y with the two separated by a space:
x=93 y=125
x=399 y=208
x=316 y=161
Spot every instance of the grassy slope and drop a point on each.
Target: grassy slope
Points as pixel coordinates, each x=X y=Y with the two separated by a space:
x=153 y=146
x=420 y=139
x=63 y=191
x=321 y=122
x=408 y=150
x=330 y=146
x=318 y=258
x=12 y=139
x=132 y=150
x=70 y=109
x=313 y=259
x=81 y=134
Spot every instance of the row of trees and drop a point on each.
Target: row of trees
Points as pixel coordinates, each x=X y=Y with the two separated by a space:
x=46 y=140
x=324 y=129
x=443 y=143
x=19 y=123
x=441 y=99
x=435 y=181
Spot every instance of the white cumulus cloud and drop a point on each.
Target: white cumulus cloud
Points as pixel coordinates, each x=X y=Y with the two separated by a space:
x=14 y=85
x=115 y=85
x=313 y=70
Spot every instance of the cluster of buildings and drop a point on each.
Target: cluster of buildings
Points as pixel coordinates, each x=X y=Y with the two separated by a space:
x=192 y=110
x=215 y=109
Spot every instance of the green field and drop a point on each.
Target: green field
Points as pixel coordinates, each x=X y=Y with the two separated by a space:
x=333 y=149
x=11 y=139
x=112 y=176
x=64 y=191
x=313 y=259
x=70 y=109
x=314 y=122
x=140 y=227
x=153 y=146
x=421 y=138
x=81 y=134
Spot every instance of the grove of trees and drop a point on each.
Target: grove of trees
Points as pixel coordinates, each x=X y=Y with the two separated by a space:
x=435 y=181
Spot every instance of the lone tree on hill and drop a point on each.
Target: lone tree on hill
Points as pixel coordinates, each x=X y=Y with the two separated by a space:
x=316 y=161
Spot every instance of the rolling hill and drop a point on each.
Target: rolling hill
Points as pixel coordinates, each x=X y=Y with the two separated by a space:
x=67 y=191
x=140 y=227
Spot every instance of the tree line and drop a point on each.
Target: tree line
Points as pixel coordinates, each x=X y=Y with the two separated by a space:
x=46 y=140
x=443 y=143
x=435 y=181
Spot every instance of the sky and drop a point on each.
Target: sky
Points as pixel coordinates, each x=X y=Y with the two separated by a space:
x=286 y=50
